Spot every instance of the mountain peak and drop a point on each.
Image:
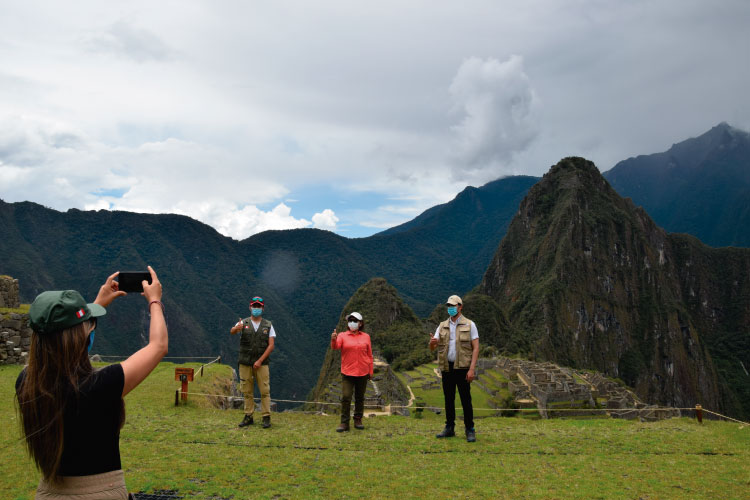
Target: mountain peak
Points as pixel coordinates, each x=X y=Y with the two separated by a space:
x=585 y=279
x=573 y=164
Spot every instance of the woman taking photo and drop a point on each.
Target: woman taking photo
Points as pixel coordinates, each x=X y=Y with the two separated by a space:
x=356 y=369
x=71 y=414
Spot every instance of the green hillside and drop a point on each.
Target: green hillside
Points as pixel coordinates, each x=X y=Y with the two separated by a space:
x=199 y=451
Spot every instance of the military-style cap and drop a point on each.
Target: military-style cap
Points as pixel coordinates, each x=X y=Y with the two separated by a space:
x=256 y=300
x=454 y=300
x=54 y=311
x=355 y=315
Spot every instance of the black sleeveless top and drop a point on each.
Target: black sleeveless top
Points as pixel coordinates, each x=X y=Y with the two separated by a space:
x=91 y=442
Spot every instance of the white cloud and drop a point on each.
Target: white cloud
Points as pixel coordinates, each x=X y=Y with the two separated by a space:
x=240 y=223
x=501 y=112
x=205 y=108
x=325 y=220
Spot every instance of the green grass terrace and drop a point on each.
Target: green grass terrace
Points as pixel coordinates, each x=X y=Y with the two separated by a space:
x=199 y=451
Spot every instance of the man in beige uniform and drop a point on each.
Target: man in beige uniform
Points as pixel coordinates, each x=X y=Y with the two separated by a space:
x=256 y=343
x=457 y=340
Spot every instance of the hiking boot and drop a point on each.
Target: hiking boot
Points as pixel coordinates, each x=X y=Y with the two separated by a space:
x=343 y=427
x=248 y=420
x=266 y=422
x=470 y=436
x=358 y=423
x=447 y=432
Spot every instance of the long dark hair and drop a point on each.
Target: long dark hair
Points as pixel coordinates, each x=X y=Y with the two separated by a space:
x=58 y=366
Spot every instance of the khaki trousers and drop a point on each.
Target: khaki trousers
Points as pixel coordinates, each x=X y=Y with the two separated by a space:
x=108 y=485
x=247 y=374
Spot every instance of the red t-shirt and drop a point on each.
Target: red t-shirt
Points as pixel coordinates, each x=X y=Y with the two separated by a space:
x=356 y=353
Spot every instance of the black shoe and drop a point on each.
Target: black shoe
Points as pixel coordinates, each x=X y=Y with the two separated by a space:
x=470 y=436
x=266 y=422
x=343 y=427
x=447 y=433
x=248 y=420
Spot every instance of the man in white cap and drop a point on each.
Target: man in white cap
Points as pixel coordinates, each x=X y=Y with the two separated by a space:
x=457 y=340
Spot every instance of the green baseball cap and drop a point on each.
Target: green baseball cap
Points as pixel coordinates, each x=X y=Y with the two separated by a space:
x=57 y=310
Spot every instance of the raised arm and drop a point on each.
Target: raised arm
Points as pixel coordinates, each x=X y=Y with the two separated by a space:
x=237 y=327
x=137 y=367
x=335 y=341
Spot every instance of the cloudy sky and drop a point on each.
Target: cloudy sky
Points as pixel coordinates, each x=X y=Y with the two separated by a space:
x=346 y=115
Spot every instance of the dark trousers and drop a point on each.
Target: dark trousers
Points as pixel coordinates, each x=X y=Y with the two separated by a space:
x=358 y=386
x=457 y=378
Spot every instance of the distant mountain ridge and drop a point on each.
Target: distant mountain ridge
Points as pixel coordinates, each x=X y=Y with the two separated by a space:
x=700 y=186
x=306 y=275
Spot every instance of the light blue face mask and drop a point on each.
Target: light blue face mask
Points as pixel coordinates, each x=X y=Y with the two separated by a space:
x=256 y=311
x=91 y=339
x=452 y=311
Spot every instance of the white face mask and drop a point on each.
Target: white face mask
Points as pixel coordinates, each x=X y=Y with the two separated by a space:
x=354 y=325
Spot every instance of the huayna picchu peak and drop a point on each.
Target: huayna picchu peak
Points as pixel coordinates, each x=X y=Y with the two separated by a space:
x=585 y=279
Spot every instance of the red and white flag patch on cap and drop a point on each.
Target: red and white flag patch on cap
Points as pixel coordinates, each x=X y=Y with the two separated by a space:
x=80 y=313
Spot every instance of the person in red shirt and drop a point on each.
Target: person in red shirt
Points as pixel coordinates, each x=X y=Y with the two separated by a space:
x=356 y=369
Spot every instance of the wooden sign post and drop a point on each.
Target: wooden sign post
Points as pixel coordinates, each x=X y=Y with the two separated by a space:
x=185 y=375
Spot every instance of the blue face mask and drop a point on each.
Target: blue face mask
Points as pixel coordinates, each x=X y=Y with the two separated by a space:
x=452 y=311
x=256 y=311
x=91 y=339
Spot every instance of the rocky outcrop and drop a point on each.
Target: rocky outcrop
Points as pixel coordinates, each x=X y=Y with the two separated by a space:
x=585 y=279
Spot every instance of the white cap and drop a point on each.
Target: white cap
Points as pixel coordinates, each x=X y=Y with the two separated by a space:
x=356 y=315
x=454 y=300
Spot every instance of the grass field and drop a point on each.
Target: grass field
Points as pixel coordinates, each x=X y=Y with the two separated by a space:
x=199 y=451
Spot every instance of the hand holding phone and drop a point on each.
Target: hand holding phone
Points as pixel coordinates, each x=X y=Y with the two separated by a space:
x=132 y=281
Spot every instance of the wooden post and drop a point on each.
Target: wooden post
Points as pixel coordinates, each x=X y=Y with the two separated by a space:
x=184 y=387
x=184 y=375
x=699 y=413
x=177 y=397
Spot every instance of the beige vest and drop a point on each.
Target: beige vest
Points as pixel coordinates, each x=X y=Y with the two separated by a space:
x=463 y=344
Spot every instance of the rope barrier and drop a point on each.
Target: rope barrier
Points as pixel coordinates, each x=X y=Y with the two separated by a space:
x=724 y=416
x=168 y=357
x=608 y=410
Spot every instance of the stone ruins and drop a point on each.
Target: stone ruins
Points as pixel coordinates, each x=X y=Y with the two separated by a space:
x=15 y=333
x=557 y=391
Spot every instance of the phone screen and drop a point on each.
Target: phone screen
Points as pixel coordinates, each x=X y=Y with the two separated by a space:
x=131 y=281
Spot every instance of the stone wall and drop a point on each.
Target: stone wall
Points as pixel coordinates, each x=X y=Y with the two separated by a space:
x=15 y=338
x=8 y=292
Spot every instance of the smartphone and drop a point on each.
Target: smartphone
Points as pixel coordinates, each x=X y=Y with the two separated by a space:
x=132 y=281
